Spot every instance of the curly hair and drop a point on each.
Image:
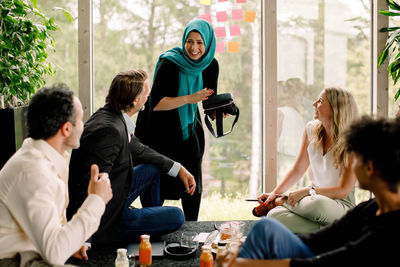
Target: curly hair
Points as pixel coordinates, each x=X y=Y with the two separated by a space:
x=377 y=140
x=344 y=112
x=48 y=110
x=124 y=88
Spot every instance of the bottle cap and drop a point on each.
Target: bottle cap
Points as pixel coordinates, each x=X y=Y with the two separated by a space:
x=145 y=236
x=206 y=248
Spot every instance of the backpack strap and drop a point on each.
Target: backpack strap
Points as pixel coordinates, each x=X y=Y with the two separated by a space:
x=219 y=124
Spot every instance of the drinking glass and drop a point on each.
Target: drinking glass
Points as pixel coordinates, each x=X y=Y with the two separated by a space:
x=187 y=240
x=237 y=229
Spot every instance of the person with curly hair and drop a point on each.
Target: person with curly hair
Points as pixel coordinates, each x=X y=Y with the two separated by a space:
x=361 y=237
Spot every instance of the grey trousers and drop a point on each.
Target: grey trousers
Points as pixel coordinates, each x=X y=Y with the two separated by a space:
x=312 y=213
x=26 y=259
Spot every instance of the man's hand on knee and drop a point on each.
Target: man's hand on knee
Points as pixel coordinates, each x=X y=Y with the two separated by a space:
x=188 y=180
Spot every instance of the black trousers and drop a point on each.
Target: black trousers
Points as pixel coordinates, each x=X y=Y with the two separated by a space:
x=190 y=204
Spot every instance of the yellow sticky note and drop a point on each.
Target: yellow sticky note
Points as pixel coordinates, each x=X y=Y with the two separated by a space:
x=250 y=16
x=205 y=2
x=233 y=47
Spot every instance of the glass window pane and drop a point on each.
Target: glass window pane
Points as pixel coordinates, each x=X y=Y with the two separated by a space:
x=320 y=43
x=392 y=104
x=132 y=34
x=65 y=56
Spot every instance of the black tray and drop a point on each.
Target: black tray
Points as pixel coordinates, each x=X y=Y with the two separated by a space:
x=177 y=252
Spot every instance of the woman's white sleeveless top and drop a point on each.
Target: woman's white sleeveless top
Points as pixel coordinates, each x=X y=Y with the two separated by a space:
x=322 y=173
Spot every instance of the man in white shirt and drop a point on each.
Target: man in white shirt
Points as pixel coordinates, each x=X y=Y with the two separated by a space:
x=34 y=187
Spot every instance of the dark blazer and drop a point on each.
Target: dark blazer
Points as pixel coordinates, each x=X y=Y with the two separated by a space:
x=105 y=142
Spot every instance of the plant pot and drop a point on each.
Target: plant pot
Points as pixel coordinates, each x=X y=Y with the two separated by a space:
x=13 y=132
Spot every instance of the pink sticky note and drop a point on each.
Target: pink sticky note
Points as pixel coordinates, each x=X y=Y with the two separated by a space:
x=234 y=30
x=220 y=31
x=219 y=47
x=222 y=16
x=222 y=0
x=237 y=14
x=206 y=17
x=241 y=1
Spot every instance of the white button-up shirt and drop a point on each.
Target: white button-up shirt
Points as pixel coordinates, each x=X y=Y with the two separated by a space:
x=32 y=206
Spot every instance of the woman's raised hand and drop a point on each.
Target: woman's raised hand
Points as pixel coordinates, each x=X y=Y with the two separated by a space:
x=201 y=95
x=266 y=198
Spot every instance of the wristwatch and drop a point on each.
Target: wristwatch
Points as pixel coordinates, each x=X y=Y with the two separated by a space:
x=311 y=191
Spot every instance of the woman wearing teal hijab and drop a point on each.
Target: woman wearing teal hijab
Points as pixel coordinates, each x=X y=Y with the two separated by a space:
x=171 y=123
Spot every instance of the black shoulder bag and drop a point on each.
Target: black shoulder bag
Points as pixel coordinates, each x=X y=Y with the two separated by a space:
x=214 y=107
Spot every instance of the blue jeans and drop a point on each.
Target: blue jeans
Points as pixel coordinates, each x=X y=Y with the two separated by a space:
x=152 y=219
x=269 y=239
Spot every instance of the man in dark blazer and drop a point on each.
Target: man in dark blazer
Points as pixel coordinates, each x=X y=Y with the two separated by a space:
x=107 y=142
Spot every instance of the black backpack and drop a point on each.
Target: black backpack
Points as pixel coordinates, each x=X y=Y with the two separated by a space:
x=214 y=107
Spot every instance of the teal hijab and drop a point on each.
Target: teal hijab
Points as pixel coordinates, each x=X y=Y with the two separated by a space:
x=190 y=71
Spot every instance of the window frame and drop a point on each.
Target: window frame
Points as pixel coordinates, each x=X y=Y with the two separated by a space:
x=379 y=79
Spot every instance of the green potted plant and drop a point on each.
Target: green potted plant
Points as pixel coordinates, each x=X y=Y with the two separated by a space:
x=25 y=37
x=392 y=47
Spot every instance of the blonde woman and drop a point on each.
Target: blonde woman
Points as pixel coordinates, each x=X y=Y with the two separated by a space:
x=330 y=194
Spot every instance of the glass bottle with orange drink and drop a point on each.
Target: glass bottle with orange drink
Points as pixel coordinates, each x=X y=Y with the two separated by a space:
x=206 y=258
x=144 y=251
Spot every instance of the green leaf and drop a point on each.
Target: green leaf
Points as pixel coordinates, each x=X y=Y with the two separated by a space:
x=389 y=29
x=382 y=57
x=19 y=3
x=10 y=19
x=389 y=13
x=396 y=78
x=394 y=70
x=68 y=16
x=66 y=13
x=392 y=38
x=397 y=95
x=392 y=4
x=34 y=3
x=19 y=11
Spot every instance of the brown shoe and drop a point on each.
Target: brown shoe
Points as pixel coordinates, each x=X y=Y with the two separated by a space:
x=263 y=209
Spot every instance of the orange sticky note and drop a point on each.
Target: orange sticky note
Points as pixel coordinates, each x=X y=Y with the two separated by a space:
x=237 y=14
x=250 y=16
x=219 y=47
x=221 y=16
x=234 y=30
x=241 y=1
x=206 y=17
x=220 y=31
x=233 y=47
x=205 y=2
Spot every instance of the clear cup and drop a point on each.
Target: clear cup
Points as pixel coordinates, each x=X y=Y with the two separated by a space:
x=236 y=230
x=225 y=230
x=187 y=240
